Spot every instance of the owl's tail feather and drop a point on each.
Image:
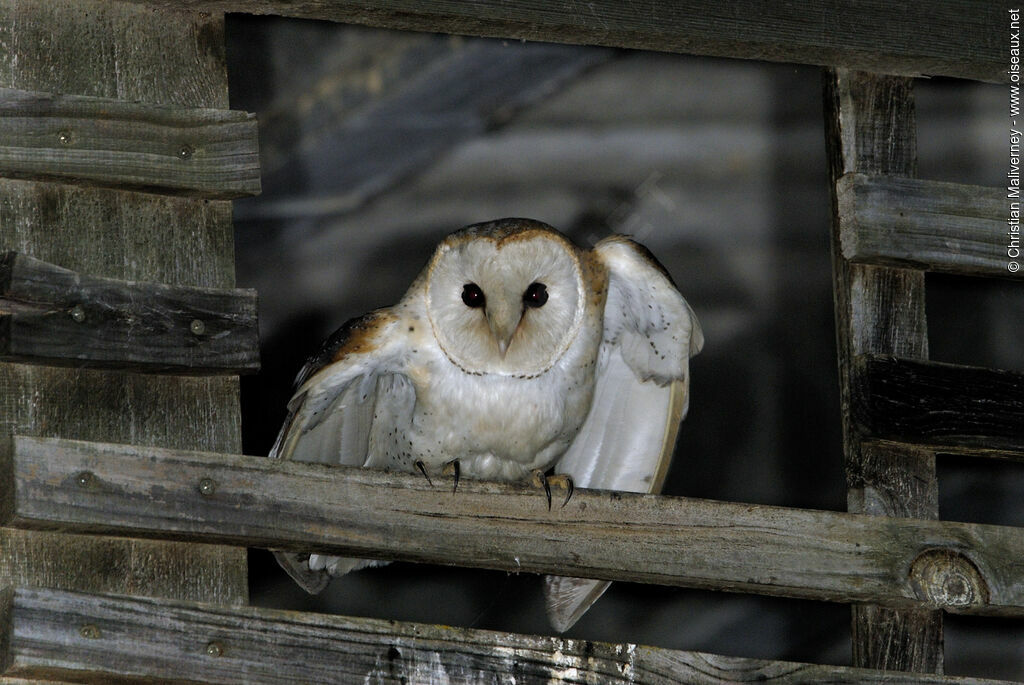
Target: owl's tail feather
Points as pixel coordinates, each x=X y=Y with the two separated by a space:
x=314 y=571
x=567 y=599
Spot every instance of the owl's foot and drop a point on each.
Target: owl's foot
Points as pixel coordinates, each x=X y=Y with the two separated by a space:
x=561 y=480
x=423 y=469
x=452 y=469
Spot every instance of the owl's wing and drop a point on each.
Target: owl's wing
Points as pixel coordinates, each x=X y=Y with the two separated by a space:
x=351 y=385
x=641 y=395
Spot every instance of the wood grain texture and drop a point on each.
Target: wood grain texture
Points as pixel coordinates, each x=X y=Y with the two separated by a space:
x=935 y=404
x=871 y=128
x=137 y=639
x=925 y=225
x=94 y=48
x=99 y=141
x=114 y=489
x=52 y=315
x=949 y=37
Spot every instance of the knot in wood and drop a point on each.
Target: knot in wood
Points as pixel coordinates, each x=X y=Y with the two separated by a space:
x=946 y=578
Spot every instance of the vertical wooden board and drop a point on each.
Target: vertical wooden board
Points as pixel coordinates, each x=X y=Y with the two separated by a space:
x=871 y=128
x=97 y=48
x=104 y=49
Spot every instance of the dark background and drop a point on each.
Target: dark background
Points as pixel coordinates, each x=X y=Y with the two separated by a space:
x=375 y=144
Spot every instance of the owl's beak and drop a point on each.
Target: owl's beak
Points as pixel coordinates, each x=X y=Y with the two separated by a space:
x=503 y=322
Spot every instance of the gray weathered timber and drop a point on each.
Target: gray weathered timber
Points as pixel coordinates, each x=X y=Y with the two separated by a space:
x=939 y=405
x=200 y=152
x=234 y=499
x=950 y=37
x=927 y=225
x=135 y=638
x=132 y=54
x=871 y=129
x=52 y=315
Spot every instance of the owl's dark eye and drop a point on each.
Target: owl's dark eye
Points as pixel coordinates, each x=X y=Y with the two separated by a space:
x=536 y=295
x=473 y=296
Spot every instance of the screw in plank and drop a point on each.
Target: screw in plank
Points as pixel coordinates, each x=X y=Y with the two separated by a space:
x=65 y=137
x=185 y=152
x=207 y=487
x=86 y=479
x=77 y=313
x=197 y=327
x=90 y=631
x=215 y=648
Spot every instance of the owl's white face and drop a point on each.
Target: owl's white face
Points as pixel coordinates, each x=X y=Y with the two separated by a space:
x=505 y=306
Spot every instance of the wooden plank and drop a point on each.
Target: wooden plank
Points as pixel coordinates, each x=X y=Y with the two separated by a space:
x=927 y=225
x=940 y=405
x=107 y=638
x=948 y=37
x=94 y=48
x=52 y=315
x=871 y=129
x=201 y=152
x=233 y=499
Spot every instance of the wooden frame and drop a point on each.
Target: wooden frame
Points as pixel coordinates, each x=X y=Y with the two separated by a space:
x=910 y=567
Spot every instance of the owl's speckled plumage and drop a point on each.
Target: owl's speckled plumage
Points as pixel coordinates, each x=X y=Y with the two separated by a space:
x=513 y=350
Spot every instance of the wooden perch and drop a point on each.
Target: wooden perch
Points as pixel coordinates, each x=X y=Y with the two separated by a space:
x=51 y=315
x=926 y=225
x=952 y=408
x=253 y=501
x=200 y=152
x=103 y=638
x=945 y=37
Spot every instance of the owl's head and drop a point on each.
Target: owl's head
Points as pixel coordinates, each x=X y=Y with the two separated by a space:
x=505 y=297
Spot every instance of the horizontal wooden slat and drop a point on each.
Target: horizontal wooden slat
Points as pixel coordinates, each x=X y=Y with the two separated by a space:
x=952 y=408
x=252 y=501
x=927 y=225
x=52 y=633
x=947 y=37
x=201 y=152
x=51 y=315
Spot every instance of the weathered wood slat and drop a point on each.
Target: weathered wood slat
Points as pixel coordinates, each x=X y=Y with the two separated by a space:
x=201 y=152
x=96 y=48
x=206 y=497
x=948 y=37
x=927 y=225
x=75 y=635
x=51 y=315
x=871 y=129
x=941 y=405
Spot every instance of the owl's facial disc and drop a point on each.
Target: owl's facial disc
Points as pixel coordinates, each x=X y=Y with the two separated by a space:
x=510 y=308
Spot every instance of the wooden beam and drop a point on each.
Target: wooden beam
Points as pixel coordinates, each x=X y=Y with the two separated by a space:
x=871 y=128
x=99 y=141
x=943 y=406
x=103 y=638
x=98 y=49
x=51 y=315
x=949 y=37
x=254 y=501
x=927 y=225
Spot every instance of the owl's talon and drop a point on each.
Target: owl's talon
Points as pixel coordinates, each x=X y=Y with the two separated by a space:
x=423 y=469
x=564 y=480
x=452 y=469
x=541 y=481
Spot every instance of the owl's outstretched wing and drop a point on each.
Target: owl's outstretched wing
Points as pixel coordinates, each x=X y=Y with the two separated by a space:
x=640 y=397
x=351 y=388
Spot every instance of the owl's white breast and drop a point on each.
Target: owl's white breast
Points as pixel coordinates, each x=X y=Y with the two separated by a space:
x=499 y=427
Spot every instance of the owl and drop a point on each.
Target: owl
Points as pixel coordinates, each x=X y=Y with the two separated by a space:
x=512 y=353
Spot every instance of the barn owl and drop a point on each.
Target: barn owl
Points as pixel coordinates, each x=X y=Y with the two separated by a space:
x=513 y=352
